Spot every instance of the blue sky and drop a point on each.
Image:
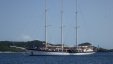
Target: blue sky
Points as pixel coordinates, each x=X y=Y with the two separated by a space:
x=23 y=20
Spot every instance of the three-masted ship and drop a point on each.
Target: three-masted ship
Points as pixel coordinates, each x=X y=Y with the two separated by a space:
x=60 y=49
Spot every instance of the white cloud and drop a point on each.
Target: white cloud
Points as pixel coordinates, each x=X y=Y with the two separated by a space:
x=26 y=37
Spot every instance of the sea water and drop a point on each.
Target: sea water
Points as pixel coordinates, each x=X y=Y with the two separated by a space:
x=20 y=58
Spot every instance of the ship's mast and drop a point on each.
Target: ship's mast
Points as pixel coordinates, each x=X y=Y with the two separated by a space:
x=62 y=25
x=46 y=24
x=76 y=26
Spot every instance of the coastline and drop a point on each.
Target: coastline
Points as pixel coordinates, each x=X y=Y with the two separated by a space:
x=10 y=52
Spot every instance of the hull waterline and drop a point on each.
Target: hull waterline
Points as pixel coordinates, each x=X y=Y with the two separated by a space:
x=44 y=53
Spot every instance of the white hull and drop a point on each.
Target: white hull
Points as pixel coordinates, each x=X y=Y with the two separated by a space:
x=43 y=53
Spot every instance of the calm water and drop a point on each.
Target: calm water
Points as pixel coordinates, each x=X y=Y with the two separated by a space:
x=17 y=58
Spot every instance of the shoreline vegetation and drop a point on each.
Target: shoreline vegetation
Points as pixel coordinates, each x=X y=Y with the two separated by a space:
x=22 y=46
x=11 y=52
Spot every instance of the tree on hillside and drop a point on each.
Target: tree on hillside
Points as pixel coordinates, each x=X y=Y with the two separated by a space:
x=85 y=44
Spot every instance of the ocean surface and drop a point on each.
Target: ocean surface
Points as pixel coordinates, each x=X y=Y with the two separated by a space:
x=20 y=58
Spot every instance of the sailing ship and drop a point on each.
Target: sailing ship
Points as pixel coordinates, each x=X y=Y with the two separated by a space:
x=60 y=49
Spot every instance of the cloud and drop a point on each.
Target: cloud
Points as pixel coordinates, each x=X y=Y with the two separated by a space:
x=26 y=37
